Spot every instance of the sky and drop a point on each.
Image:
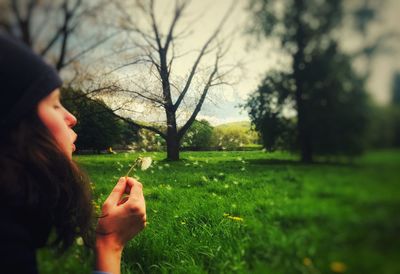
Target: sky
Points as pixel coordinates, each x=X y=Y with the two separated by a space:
x=261 y=58
x=258 y=58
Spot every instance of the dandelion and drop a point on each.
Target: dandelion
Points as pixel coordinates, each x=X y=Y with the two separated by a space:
x=338 y=267
x=145 y=163
x=142 y=162
x=234 y=218
x=307 y=261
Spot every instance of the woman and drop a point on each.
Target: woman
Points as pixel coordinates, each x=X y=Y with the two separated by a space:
x=45 y=198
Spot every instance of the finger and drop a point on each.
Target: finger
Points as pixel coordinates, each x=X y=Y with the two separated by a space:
x=117 y=192
x=123 y=200
x=136 y=191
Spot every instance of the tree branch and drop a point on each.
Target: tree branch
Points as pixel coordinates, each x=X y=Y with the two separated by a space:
x=197 y=109
x=200 y=56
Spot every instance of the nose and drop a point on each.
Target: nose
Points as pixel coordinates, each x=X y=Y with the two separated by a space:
x=70 y=118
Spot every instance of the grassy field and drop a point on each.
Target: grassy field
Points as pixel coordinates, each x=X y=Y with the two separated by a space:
x=255 y=212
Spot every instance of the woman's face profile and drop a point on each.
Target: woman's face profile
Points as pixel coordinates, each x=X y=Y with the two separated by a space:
x=59 y=122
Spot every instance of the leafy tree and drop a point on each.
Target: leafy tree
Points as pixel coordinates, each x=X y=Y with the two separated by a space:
x=233 y=135
x=198 y=135
x=396 y=109
x=98 y=128
x=266 y=110
x=328 y=98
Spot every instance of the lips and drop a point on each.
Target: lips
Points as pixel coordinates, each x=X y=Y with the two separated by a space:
x=73 y=147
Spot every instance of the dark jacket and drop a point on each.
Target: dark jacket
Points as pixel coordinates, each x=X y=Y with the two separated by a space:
x=20 y=237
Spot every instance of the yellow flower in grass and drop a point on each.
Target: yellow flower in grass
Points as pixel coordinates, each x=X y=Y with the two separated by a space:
x=79 y=241
x=338 y=267
x=234 y=218
x=307 y=261
x=238 y=219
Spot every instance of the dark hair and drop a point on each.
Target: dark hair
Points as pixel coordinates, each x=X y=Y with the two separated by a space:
x=42 y=189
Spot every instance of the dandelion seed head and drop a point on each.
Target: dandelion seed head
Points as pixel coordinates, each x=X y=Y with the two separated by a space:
x=145 y=163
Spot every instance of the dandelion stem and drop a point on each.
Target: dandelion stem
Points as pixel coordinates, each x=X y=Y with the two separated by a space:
x=129 y=171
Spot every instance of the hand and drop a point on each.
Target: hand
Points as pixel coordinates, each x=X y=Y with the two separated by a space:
x=123 y=216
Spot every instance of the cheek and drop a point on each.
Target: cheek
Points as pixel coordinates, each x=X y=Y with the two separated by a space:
x=57 y=128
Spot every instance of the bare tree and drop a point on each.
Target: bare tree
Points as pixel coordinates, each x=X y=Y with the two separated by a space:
x=156 y=48
x=49 y=26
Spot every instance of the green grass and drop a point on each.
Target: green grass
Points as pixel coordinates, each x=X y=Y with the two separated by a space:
x=292 y=218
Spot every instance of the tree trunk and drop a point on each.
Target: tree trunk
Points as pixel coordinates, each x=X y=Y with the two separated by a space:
x=172 y=148
x=303 y=127
x=172 y=137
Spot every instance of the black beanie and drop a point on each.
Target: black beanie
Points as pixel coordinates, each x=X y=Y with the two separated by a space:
x=25 y=79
